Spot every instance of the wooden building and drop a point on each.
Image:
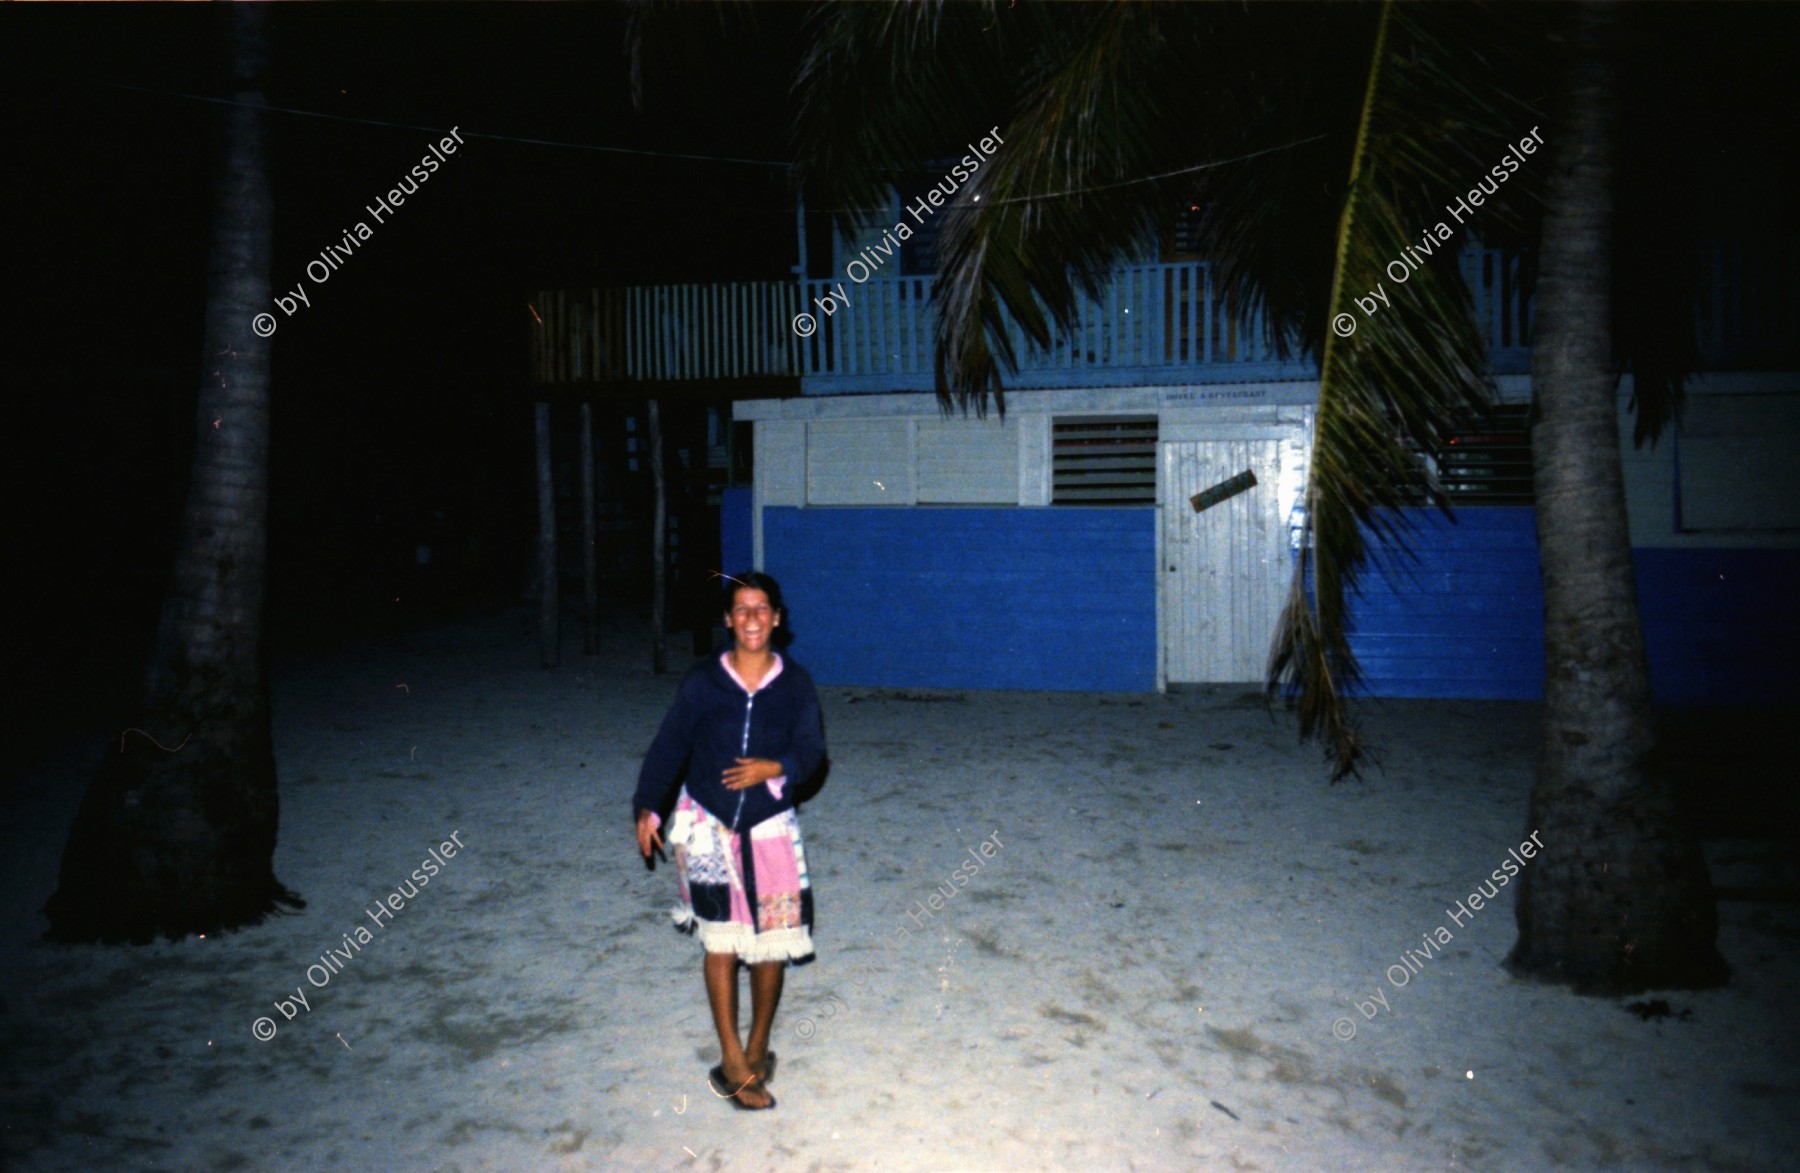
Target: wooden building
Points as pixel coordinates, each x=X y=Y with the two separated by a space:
x=1055 y=548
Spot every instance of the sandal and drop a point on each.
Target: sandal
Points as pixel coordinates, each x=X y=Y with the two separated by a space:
x=767 y=1071
x=723 y=1089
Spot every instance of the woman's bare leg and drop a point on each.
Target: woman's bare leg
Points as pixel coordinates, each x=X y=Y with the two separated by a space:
x=722 y=995
x=765 y=995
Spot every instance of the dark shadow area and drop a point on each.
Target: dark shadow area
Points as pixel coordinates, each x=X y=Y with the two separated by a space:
x=1735 y=780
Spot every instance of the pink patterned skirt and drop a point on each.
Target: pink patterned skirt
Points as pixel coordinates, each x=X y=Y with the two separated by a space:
x=720 y=885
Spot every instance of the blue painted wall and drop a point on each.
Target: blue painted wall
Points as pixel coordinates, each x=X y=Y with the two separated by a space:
x=1017 y=598
x=1466 y=618
x=1720 y=625
x=737 y=541
x=985 y=598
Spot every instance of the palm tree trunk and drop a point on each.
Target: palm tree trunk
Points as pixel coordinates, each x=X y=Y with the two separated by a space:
x=659 y=616
x=590 y=570
x=549 y=600
x=1619 y=900
x=176 y=833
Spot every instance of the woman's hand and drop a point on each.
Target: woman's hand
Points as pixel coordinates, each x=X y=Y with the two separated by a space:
x=647 y=834
x=750 y=772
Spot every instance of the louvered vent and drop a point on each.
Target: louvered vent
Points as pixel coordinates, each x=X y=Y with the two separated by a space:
x=1488 y=462
x=1103 y=460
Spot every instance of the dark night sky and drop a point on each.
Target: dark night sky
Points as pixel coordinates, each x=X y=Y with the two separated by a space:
x=402 y=387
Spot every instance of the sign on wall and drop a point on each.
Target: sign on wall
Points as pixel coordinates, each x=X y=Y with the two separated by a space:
x=1223 y=491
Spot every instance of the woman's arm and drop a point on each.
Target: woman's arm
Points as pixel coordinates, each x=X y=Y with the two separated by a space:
x=662 y=766
x=806 y=742
x=647 y=836
x=751 y=772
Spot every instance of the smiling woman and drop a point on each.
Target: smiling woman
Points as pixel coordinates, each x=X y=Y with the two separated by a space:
x=747 y=730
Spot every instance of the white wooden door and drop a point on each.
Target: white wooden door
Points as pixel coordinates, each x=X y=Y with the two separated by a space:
x=1225 y=571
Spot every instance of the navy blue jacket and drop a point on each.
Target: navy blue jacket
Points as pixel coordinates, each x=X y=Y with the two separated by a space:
x=713 y=723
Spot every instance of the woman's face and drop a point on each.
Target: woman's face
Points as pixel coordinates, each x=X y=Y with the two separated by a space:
x=751 y=620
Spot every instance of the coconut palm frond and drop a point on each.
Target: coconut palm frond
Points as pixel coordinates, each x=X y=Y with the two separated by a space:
x=1058 y=206
x=1413 y=361
x=885 y=88
x=1122 y=120
x=1120 y=112
x=1111 y=110
x=1019 y=238
x=1270 y=225
x=1656 y=280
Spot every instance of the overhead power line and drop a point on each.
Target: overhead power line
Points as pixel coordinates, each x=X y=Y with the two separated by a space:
x=503 y=138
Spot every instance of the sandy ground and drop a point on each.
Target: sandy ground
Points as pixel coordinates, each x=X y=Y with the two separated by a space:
x=1147 y=974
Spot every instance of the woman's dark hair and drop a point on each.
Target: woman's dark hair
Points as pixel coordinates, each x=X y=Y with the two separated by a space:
x=756 y=580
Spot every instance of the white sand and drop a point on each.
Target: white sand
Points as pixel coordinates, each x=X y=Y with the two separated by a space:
x=1180 y=911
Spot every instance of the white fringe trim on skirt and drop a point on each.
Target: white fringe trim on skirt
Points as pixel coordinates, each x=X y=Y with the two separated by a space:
x=747 y=943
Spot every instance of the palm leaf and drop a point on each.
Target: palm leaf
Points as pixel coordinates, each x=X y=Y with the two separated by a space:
x=1256 y=115
x=1415 y=361
x=1093 y=100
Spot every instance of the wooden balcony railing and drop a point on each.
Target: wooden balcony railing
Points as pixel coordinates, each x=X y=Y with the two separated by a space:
x=1151 y=325
x=666 y=333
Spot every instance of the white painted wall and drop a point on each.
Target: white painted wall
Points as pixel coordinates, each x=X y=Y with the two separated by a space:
x=1732 y=465
x=1036 y=460
x=780 y=476
x=1737 y=475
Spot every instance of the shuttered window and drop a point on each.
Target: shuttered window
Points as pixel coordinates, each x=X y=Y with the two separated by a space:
x=859 y=462
x=1103 y=460
x=968 y=462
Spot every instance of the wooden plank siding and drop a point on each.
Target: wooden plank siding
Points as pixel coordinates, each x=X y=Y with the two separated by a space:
x=1463 y=621
x=1225 y=569
x=1720 y=625
x=1462 y=617
x=970 y=597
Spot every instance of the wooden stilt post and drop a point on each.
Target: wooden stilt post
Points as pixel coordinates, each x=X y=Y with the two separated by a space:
x=659 y=619
x=590 y=571
x=549 y=609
